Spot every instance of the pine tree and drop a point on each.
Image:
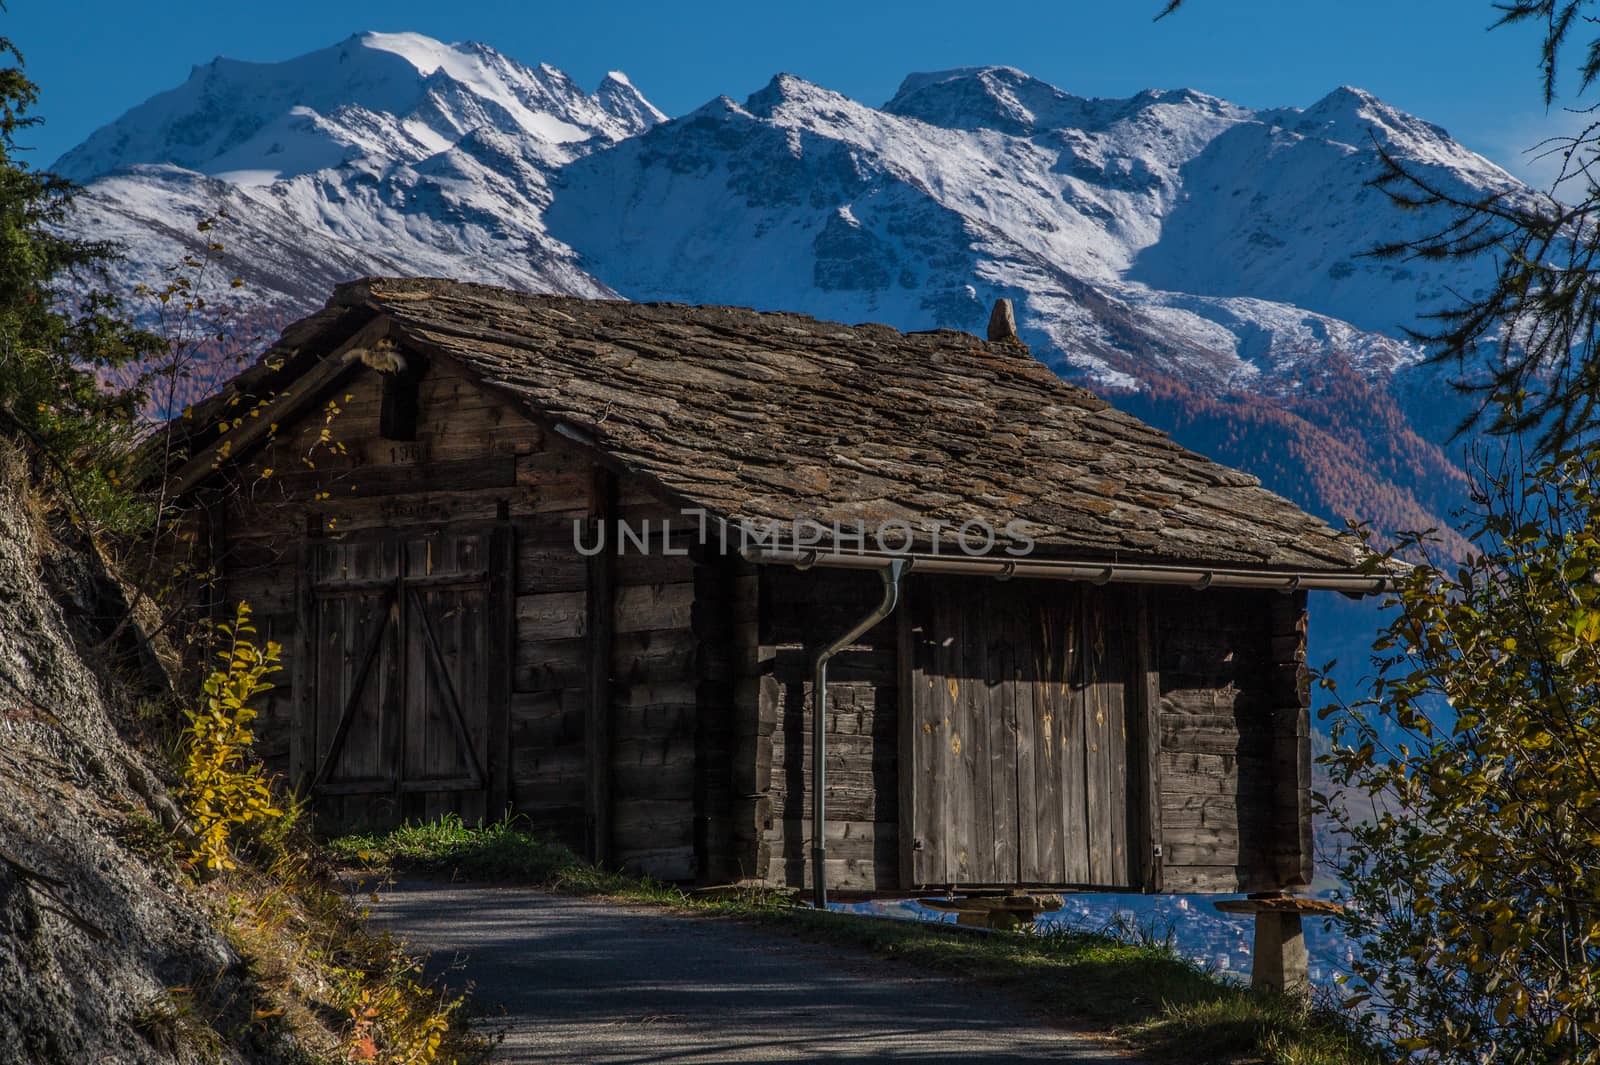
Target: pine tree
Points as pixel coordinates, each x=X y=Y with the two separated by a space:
x=58 y=336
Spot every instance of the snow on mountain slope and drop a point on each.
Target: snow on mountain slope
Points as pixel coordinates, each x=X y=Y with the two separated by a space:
x=1171 y=232
x=389 y=153
x=154 y=211
x=402 y=97
x=1170 y=242
x=1281 y=207
x=966 y=187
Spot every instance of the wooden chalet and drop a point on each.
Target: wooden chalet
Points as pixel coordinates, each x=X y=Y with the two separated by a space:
x=410 y=486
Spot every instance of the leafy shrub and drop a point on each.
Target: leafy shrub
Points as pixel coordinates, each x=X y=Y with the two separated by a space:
x=391 y=1017
x=223 y=789
x=295 y=930
x=1471 y=790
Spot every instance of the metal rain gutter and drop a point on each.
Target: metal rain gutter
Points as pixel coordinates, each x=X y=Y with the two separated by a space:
x=892 y=574
x=1094 y=572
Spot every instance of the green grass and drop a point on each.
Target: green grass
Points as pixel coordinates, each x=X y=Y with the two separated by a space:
x=495 y=852
x=1134 y=987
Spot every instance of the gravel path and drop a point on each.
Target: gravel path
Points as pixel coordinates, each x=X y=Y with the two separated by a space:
x=583 y=981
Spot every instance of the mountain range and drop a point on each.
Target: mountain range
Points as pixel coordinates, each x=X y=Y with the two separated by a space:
x=1200 y=263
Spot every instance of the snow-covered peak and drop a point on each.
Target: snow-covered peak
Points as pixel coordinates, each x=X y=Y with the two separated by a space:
x=395 y=96
x=1353 y=101
x=424 y=53
x=995 y=97
x=788 y=93
x=1358 y=119
x=618 y=96
x=1354 y=116
x=919 y=80
x=1011 y=101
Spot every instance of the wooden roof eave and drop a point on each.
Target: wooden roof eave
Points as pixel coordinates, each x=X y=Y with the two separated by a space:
x=196 y=429
x=257 y=426
x=1374 y=579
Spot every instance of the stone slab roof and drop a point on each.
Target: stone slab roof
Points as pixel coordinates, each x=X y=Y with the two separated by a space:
x=780 y=416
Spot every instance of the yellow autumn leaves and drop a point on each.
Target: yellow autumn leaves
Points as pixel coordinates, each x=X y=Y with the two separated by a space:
x=223 y=788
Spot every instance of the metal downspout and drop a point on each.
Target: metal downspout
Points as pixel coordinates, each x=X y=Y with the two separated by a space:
x=892 y=575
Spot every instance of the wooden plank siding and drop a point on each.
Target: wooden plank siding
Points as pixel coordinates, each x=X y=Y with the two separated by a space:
x=799 y=612
x=478 y=461
x=756 y=699
x=719 y=582
x=1019 y=698
x=1290 y=699
x=599 y=724
x=657 y=707
x=655 y=693
x=330 y=475
x=1234 y=740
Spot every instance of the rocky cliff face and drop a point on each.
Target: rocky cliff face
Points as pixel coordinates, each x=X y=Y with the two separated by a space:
x=95 y=929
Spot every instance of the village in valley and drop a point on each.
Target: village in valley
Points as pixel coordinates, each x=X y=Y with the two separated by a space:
x=1050 y=566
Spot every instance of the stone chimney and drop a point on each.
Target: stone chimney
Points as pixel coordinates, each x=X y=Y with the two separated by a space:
x=1003 y=323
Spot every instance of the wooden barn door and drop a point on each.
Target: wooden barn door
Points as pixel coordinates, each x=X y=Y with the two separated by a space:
x=406 y=697
x=1019 y=757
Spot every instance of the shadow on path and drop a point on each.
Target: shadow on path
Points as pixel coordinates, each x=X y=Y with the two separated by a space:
x=585 y=981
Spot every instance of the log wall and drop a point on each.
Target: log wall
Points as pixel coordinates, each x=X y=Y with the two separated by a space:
x=1234 y=756
x=621 y=678
x=659 y=709
x=1221 y=724
x=799 y=613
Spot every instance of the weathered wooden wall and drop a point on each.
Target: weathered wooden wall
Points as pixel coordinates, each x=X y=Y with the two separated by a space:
x=653 y=661
x=1209 y=699
x=478 y=460
x=1234 y=729
x=412 y=635
x=724 y=607
x=475 y=462
x=659 y=709
x=749 y=854
x=799 y=613
x=1018 y=763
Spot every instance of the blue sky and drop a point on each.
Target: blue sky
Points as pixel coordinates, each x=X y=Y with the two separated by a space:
x=94 y=58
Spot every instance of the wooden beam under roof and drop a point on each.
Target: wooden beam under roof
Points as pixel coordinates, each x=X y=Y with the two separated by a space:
x=257 y=425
